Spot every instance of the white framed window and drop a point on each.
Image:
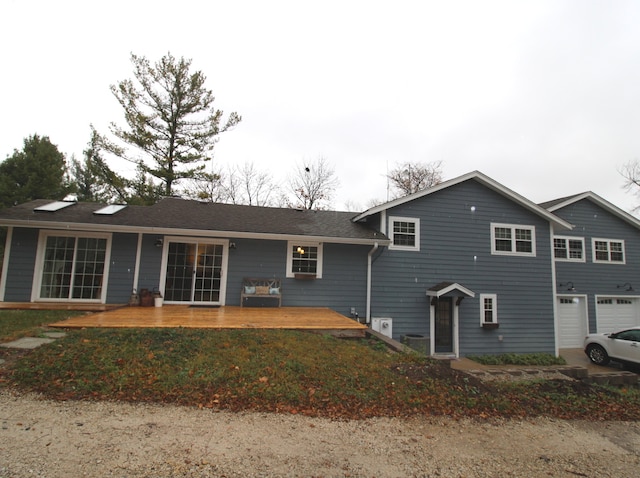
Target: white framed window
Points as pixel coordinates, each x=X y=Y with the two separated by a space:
x=404 y=233
x=304 y=258
x=488 y=309
x=568 y=249
x=514 y=240
x=608 y=251
x=73 y=267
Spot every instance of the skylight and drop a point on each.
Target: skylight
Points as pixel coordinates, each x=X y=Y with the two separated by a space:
x=54 y=206
x=110 y=210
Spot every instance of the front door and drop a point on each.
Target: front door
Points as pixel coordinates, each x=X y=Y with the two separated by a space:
x=195 y=272
x=444 y=325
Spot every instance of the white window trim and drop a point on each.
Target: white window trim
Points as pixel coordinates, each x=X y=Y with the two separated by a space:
x=415 y=221
x=290 y=245
x=494 y=300
x=37 y=276
x=513 y=228
x=570 y=259
x=608 y=241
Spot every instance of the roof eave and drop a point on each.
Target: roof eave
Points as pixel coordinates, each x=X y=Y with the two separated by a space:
x=613 y=209
x=484 y=179
x=383 y=241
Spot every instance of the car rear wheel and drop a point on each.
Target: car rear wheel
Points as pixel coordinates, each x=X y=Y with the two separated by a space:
x=597 y=354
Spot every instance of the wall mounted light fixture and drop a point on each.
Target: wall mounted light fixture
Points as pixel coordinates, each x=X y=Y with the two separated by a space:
x=159 y=242
x=569 y=285
x=627 y=285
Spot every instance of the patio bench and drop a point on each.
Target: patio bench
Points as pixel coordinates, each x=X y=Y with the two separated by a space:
x=257 y=292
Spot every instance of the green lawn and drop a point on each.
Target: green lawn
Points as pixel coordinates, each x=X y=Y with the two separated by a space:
x=22 y=323
x=288 y=371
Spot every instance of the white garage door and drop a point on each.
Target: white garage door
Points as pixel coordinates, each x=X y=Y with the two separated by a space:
x=615 y=313
x=572 y=321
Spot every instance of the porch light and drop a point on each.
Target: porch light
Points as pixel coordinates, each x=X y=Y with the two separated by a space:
x=159 y=242
x=569 y=285
x=627 y=285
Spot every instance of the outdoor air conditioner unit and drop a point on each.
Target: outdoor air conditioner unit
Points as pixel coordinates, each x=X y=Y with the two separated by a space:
x=384 y=325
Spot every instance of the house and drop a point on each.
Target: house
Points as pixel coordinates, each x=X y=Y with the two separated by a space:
x=470 y=266
x=597 y=267
x=192 y=252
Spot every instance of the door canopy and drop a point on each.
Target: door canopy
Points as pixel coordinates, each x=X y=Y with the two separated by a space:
x=449 y=289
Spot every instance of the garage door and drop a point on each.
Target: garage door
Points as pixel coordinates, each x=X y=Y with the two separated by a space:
x=615 y=313
x=572 y=321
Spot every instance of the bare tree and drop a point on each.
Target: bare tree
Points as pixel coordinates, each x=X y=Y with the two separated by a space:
x=313 y=184
x=239 y=184
x=408 y=178
x=206 y=188
x=631 y=173
x=245 y=184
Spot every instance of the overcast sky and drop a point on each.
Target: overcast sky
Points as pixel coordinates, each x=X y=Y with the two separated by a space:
x=542 y=96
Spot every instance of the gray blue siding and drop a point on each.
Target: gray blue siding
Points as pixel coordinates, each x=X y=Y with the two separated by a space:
x=342 y=286
x=455 y=246
x=19 y=280
x=150 y=263
x=592 y=221
x=122 y=267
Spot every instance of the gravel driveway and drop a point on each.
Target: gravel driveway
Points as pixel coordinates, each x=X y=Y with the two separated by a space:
x=41 y=438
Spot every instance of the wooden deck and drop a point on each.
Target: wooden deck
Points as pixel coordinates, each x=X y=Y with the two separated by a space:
x=228 y=317
x=57 y=306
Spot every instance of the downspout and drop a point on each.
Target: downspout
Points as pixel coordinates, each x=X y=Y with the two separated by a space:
x=554 y=291
x=136 y=271
x=369 y=262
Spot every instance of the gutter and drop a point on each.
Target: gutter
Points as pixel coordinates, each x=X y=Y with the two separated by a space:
x=160 y=230
x=369 y=263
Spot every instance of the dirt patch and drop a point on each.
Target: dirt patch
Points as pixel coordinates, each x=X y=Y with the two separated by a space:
x=98 y=439
x=434 y=370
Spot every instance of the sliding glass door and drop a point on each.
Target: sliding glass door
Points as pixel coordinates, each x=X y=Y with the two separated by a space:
x=194 y=272
x=73 y=268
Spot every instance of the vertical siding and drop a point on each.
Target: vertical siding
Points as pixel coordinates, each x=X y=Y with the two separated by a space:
x=590 y=220
x=455 y=245
x=121 y=267
x=19 y=280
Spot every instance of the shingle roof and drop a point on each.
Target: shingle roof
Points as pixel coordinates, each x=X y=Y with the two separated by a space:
x=187 y=215
x=554 y=202
x=557 y=205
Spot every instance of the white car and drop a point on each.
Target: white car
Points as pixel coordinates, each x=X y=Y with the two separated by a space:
x=623 y=346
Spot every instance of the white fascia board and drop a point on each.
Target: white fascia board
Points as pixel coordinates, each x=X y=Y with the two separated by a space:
x=568 y=201
x=482 y=178
x=190 y=232
x=446 y=290
x=603 y=203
